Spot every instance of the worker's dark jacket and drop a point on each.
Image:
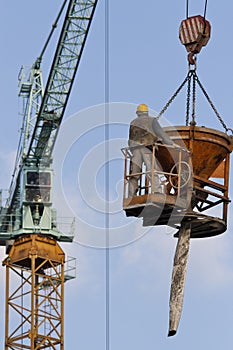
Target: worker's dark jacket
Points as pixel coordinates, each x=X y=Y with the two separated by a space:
x=141 y=132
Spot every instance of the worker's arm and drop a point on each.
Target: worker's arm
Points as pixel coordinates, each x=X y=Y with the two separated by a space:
x=158 y=130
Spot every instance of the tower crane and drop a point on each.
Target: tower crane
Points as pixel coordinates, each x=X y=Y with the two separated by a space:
x=28 y=225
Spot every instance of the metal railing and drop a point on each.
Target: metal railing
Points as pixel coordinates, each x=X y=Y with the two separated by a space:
x=70 y=268
x=11 y=223
x=170 y=164
x=209 y=194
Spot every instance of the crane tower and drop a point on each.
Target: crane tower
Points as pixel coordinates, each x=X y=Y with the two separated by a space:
x=29 y=227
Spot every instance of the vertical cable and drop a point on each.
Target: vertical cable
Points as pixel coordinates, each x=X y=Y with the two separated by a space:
x=187 y=8
x=107 y=176
x=205 y=9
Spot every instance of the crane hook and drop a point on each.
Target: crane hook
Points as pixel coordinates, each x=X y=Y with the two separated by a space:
x=192 y=59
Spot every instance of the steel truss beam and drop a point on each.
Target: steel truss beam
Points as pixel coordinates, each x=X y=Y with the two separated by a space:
x=66 y=60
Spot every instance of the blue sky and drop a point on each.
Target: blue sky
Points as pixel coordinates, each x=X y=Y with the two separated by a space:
x=146 y=65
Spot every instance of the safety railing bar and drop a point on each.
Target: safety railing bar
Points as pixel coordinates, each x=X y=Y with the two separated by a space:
x=210 y=183
x=225 y=199
x=160 y=172
x=175 y=172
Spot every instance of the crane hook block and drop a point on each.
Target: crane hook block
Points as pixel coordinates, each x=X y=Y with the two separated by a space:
x=194 y=33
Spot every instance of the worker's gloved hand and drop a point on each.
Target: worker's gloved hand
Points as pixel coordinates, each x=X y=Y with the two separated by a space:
x=176 y=145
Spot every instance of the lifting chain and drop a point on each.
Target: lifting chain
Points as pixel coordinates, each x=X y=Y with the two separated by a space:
x=194 y=100
x=188 y=102
x=192 y=75
x=173 y=97
x=212 y=105
x=187 y=79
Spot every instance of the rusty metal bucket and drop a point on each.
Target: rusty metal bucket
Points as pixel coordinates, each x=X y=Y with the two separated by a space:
x=209 y=147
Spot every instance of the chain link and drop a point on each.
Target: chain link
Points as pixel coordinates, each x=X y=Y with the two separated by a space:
x=194 y=99
x=188 y=101
x=192 y=74
x=173 y=97
x=212 y=105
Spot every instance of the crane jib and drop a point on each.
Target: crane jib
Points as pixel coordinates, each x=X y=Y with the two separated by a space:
x=66 y=60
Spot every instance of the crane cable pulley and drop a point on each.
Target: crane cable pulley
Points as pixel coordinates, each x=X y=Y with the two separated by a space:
x=194 y=33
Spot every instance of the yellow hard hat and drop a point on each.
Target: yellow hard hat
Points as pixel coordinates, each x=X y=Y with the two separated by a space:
x=142 y=108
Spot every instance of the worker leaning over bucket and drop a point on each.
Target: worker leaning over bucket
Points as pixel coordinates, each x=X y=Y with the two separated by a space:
x=144 y=132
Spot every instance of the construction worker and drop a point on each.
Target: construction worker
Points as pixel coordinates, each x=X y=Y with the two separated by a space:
x=145 y=131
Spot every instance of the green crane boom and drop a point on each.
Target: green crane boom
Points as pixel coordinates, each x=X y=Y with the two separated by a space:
x=66 y=60
x=43 y=113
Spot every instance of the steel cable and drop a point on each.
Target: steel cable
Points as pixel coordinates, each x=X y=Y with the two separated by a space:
x=54 y=26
